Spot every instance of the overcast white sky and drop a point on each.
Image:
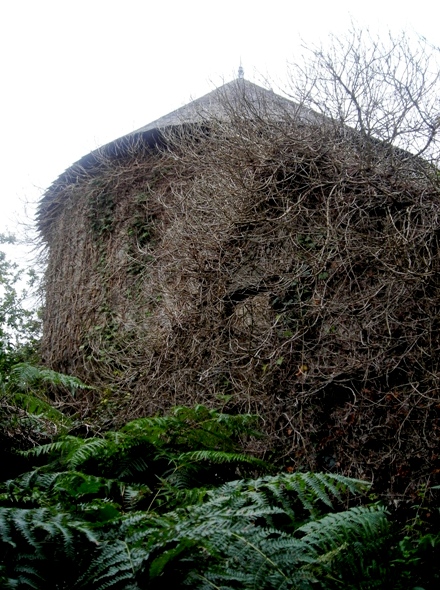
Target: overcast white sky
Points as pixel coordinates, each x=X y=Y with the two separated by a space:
x=77 y=74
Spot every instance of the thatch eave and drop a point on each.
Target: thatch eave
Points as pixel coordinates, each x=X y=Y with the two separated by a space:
x=90 y=165
x=218 y=104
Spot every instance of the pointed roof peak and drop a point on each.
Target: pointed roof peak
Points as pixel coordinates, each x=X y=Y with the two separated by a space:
x=222 y=104
x=219 y=102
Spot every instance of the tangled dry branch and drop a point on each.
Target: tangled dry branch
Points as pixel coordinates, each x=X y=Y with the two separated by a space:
x=276 y=266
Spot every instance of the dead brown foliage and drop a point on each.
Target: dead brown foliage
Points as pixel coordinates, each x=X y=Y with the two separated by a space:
x=276 y=268
x=284 y=264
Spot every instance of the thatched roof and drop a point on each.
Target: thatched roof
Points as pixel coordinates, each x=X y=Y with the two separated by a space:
x=218 y=104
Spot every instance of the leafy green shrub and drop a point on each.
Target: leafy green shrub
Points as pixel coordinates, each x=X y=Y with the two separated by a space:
x=27 y=415
x=19 y=324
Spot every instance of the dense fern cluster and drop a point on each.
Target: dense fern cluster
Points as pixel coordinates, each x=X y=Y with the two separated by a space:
x=173 y=500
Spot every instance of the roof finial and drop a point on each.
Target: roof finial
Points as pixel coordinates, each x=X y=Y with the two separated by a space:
x=240 y=71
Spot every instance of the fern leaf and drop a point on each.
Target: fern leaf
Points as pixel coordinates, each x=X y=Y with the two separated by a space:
x=24 y=376
x=5 y=528
x=89 y=449
x=116 y=563
x=36 y=405
x=66 y=446
x=219 y=457
x=132 y=466
x=343 y=542
x=335 y=529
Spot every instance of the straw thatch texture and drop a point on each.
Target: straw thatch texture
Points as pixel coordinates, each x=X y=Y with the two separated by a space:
x=276 y=267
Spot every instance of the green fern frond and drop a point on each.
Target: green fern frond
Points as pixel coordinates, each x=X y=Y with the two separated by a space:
x=263 y=559
x=85 y=491
x=177 y=479
x=72 y=451
x=132 y=495
x=287 y=488
x=201 y=468
x=345 y=544
x=345 y=528
x=261 y=556
x=256 y=557
x=31 y=540
x=6 y=528
x=62 y=448
x=148 y=426
x=25 y=376
x=116 y=563
x=21 y=524
x=173 y=496
x=199 y=428
x=132 y=466
x=229 y=538
x=89 y=449
x=220 y=457
x=36 y=526
x=25 y=577
x=36 y=405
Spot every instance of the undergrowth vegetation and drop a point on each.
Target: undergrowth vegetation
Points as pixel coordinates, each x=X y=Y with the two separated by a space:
x=173 y=500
